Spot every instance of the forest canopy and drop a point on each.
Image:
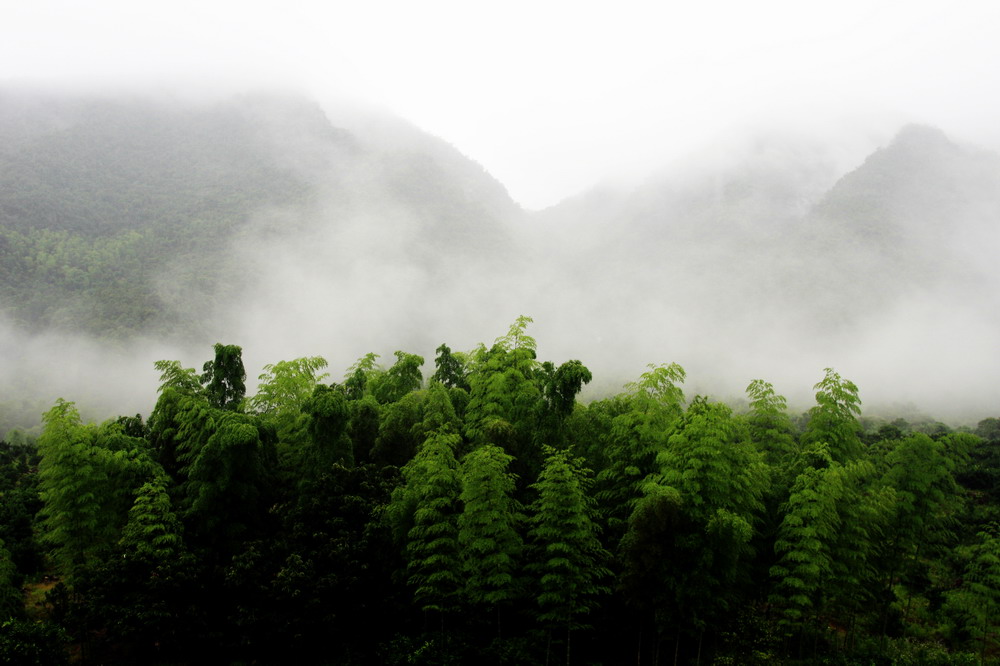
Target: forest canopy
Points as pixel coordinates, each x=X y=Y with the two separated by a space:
x=485 y=514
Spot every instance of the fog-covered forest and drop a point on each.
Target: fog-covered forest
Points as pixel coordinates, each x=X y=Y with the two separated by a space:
x=139 y=228
x=482 y=514
x=767 y=431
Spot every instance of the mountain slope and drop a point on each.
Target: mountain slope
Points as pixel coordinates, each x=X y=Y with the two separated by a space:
x=784 y=265
x=120 y=216
x=913 y=214
x=257 y=220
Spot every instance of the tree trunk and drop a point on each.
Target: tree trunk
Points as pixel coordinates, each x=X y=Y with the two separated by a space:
x=986 y=626
x=888 y=602
x=847 y=633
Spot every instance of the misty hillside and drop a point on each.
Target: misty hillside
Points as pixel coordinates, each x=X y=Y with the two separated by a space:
x=787 y=236
x=772 y=253
x=294 y=230
x=921 y=204
x=119 y=216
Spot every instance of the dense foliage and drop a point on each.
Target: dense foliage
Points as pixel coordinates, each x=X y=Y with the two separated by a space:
x=486 y=515
x=100 y=198
x=119 y=215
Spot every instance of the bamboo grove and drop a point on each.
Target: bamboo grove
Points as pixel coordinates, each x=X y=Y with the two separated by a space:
x=485 y=515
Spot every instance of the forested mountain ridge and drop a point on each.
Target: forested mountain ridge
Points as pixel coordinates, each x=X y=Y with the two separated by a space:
x=116 y=215
x=297 y=228
x=392 y=515
x=920 y=210
x=112 y=208
x=773 y=251
x=782 y=216
x=96 y=195
x=101 y=166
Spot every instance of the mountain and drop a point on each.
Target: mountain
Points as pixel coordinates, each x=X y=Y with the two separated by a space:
x=916 y=201
x=771 y=260
x=295 y=230
x=121 y=216
x=906 y=218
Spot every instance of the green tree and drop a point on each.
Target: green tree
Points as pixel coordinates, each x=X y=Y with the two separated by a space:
x=86 y=478
x=284 y=388
x=644 y=417
x=981 y=472
x=768 y=424
x=827 y=543
x=920 y=475
x=363 y=427
x=286 y=385
x=175 y=376
x=488 y=536
x=560 y=387
x=229 y=481
x=326 y=586
x=32 y=643
x=717 y=476
x=11 y=601
x=360 y=375
x=804 y=544
x=179 y=427
x=770 y=429
x=834 y=418
x=225 y=378
x=153 y=532
x=450 y=368
x=588 y=430
x=329 y=416
x=979 y=597
x=426 y=507
x=504 y=399
x=400 y=430
x=19 y=502
x=403 y=377
x=647 y=558
x=438 y=413
x=865 y=510
x=567 y=559
x=989 y=429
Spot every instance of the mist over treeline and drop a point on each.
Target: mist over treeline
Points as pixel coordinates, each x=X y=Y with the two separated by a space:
x=135 y=228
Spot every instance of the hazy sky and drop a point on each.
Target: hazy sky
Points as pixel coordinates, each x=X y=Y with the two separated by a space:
x=548 y=96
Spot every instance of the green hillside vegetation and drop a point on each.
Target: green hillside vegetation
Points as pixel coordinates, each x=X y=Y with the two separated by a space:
x=129 y=219
x=119 y=217
x=485 y=515
x=102 y=200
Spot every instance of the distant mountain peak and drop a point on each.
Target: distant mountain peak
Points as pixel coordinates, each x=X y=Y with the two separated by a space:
x=915 y=141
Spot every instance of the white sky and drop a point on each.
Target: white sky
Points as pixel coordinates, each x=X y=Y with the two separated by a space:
x=548 y=96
